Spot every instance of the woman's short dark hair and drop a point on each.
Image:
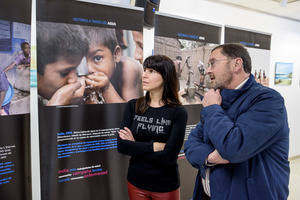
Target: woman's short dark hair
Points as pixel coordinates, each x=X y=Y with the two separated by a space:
x=235 y=50
x=165 y=66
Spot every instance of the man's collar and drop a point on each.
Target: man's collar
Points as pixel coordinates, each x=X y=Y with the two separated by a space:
x=230 y=95
x=242 y=84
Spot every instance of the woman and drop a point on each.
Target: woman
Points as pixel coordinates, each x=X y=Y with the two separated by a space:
x=152 y=133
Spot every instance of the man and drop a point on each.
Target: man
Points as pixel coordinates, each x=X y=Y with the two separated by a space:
x=60 y=49
x=241 y=144
x=22 y=60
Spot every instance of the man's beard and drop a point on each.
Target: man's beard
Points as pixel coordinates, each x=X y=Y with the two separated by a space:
x=222 y=82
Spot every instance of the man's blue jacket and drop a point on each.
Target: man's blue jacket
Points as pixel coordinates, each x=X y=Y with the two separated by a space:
x=249 y=129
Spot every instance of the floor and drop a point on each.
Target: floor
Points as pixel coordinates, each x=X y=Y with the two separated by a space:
x=295 y=179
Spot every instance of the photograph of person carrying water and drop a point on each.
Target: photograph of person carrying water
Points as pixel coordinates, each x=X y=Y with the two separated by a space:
x=191 y=60
x=14 y=68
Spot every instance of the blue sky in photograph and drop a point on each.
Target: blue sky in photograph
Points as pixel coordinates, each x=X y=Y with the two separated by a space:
x=284 y=68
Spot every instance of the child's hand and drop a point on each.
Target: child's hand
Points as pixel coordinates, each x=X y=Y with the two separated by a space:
x=98 y=80
x=23 y=66
x=80 y=92
x=20 y=66
x=65 y=94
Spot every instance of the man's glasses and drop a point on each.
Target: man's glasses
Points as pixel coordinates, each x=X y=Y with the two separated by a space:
x=213 y=61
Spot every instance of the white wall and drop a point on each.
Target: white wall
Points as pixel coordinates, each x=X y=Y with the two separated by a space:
x=285 y=45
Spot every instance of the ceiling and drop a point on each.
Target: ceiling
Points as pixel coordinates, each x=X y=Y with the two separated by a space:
x=282 y=8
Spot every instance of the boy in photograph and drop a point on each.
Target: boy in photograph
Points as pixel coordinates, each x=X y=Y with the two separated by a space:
x=60 y=49
x=112 y=78
x=23 y=59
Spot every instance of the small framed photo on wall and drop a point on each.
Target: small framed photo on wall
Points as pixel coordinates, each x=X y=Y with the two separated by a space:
x=283 y=73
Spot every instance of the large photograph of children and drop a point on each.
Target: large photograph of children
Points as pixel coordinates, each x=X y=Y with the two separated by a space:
x=190 y=58
x=79 y=64
x=14 y=68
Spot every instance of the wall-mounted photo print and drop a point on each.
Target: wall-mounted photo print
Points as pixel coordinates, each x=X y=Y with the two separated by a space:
x=15 y=159
x=188 y=44
x=190 y=58
x=87 y=64
x=87 y=53
x=14 y=67
x=283 y=73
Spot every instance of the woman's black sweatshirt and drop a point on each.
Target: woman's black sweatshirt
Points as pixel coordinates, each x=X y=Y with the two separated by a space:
x=149 y=170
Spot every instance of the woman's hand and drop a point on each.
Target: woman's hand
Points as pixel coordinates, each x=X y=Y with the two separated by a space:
x=125 y=134
x=158 y=146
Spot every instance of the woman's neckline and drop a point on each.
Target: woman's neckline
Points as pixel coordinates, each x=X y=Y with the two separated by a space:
x=158 y=106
